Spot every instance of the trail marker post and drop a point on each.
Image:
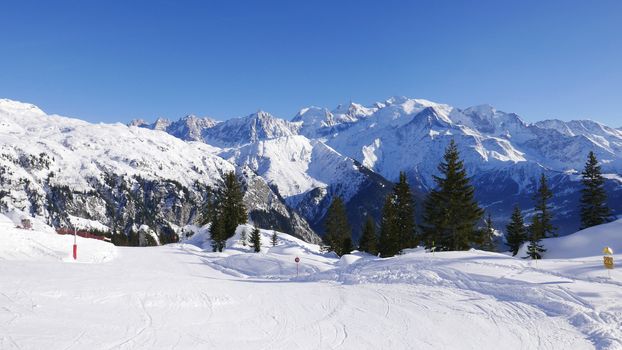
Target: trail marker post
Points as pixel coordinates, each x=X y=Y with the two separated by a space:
x=75 y=244
x=608 y=260
x=297 y=260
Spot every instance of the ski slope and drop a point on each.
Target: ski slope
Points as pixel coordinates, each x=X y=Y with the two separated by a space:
x=182 y=296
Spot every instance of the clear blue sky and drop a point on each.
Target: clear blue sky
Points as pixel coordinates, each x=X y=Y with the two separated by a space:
x=118 y=60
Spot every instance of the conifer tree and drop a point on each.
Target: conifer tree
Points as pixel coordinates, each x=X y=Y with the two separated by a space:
x=388 y=240
x=274 y=239
x=208 y=212
x=594 y=209
x=225 y=210
x=488 y=235
x=217 y=233
x=338 y=237
x=368 y=241
x=450 y=211
x=404 y=213
x=541 y=226
x=243 y=237
x=232 y=205
x=535 y=248
x=516 y=231
x=255 y=239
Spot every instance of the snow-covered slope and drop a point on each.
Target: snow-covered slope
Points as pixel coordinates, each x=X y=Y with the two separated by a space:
x=200 y=299
x=588 y=242
x=120 y=176
x=43 y=244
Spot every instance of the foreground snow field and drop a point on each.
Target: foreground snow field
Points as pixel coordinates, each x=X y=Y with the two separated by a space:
x=181 y=296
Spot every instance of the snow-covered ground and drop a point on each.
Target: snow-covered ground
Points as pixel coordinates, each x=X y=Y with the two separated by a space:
x=186 y=297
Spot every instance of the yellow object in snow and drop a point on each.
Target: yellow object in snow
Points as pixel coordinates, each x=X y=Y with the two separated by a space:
x=608 y=261
x=607 y=251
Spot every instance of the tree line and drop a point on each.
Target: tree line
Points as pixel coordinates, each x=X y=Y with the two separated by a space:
x=452 y=218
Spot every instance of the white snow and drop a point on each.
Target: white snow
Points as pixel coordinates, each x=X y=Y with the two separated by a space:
x=47 y=246
x=585 y=243
x=182 y=296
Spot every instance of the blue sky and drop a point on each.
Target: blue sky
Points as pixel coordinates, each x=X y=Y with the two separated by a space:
x=118 y=60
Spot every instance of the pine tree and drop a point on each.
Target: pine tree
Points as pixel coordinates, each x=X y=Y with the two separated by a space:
x=541 y=226
x=543 y=212
x=594 y=209
x=217 y=233
x=404 y=213
x=388 y=240
x=233 y=209
x=255 y=239
x=274 y=239
x=516 y=231
x=451 y=212
x=243 y=237
x=535 y=248
x=368 y=241
x=208 y=212
x=338 y=232
x=488 y=235
x=397 y=229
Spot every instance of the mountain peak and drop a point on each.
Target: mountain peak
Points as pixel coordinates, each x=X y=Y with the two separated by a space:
x=12 y=106
x=260 y=125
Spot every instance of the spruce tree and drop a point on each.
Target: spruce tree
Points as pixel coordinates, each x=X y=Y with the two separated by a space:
x=208 y=212
x=255 y=239
x=338 y=237
x=233 y=209
x=535 y=247
x=388 y=242
x=516 y=231
x=243 y=237
x=368 y=241
x=274 y=239
x=488 y=235
x=225 y=210
x=404 y=213
x=543 y=212
x=594 y=209
x=450 y=211
x=217 y=233
x=541 y=226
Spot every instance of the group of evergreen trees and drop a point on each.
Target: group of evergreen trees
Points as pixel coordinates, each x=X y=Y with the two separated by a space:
x=452 y=216
x=593 y=207
x=450 y=219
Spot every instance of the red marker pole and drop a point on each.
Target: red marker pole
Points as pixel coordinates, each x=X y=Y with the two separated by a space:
x=75 y=245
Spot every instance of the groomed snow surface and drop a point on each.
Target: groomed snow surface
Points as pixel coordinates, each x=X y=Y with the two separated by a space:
x=183 y=296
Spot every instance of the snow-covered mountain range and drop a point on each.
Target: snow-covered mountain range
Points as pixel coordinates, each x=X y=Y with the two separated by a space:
x=353 y=151
x=120 y=176
x=503 y=153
